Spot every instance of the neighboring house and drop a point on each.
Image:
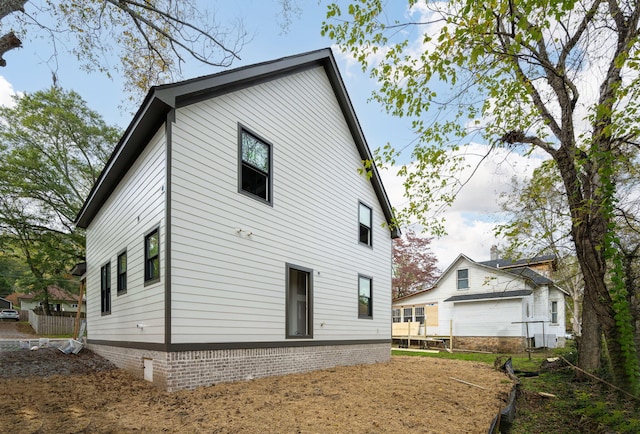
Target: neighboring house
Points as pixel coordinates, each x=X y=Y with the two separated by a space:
x=232 y=236
x=5 y=304
x=491 y=306
x=60 y=300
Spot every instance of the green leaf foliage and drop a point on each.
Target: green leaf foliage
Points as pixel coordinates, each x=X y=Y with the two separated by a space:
x=557 y=77
x=52 y=149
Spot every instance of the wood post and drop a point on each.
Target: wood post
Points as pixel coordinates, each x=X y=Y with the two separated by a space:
x=76 y=327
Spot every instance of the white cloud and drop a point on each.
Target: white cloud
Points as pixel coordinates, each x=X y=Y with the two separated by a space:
x=6 y=93
x=470 y=221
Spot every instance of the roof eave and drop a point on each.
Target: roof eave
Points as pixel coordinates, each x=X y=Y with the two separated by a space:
x=162 y=99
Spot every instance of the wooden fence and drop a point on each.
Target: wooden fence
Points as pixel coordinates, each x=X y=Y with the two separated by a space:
x=51 y=325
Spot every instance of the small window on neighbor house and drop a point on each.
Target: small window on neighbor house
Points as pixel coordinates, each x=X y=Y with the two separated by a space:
x=255 y=166
x=554 y=312
x=463 y=279
x=152 y=256
x=364 y=216
x=407 y=314
x=122 y=273
x=105 y=288
x=395 y=315
x=419 y=314
x=365 y=298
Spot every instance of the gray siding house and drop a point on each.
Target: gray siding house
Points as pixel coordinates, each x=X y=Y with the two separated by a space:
x=231 y=235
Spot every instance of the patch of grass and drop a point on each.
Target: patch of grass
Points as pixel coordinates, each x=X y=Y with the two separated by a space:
x=25 y=327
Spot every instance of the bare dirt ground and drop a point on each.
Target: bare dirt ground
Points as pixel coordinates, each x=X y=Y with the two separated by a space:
x=47 y=391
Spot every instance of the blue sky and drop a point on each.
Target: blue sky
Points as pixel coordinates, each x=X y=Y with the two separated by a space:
x=469 y=222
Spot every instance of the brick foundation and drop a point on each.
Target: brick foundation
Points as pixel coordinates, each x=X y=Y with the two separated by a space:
x=190 y=369
x=492 y=344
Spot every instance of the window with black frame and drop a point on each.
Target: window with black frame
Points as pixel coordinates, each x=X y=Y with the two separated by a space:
x=255 y=167
x=365 y=221
x=152 y=256
x=365 y=297
x=105 y=288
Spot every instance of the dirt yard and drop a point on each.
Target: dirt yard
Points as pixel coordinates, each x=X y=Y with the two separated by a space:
x=47 y=391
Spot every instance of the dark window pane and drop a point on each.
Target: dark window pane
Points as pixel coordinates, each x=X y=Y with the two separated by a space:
x=152 y=256
x=463 y=279
x=365 y=234
x=364 y=218
x=152 y=244
x=365 y=307
x=122 y=272
x=254 y=182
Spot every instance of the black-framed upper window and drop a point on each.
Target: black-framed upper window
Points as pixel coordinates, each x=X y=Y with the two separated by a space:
x=105 y=288
x=365 y=297
x=122 y=272
x=255 y=177
x=152 y=256
x=463 y=279
x=365 y=219
x=299 y=302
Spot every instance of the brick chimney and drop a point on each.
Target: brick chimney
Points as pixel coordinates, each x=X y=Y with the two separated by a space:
x=495 y=255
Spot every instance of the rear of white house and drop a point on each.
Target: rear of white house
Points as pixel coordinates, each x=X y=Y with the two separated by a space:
x=232 y=236
x=481 y=306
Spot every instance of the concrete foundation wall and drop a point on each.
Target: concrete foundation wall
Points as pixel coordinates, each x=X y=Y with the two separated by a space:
x=190 y=369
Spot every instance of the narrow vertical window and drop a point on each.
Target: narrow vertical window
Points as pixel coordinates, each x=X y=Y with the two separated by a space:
x=419 y=314
x=105 y=288
x=395 y=315
x=365 y=216
x=122 y=273
x=299 y=303
x=152 y=256
x=554 y=312
x=463 y=279
x=407 y=314
x=255 y=166
x=365 y=300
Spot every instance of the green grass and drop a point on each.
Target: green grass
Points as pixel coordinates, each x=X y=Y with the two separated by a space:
x=578 y=407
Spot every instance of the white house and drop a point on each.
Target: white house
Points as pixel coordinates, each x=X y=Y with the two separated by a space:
x=60 y=300
x=232 y=236
x=493 y=306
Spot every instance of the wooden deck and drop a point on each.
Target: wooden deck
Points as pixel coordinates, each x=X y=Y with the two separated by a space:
x=406 y=332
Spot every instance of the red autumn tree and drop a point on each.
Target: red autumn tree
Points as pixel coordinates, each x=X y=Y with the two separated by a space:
x=414 y=264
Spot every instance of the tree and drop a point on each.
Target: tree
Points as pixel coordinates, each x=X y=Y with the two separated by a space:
x=414 y=265
x=553 y=76
x=10 y=271
x=52 y=149
x=152 y=39
x=539 y=224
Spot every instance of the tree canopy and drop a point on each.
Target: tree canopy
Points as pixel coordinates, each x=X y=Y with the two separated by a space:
x=152 y=39
x=414 y=264
x=559 y=77
x=52 y=149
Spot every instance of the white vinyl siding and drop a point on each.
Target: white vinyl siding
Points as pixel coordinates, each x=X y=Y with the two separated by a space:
x=134 y=208
x=488 y=318
x=229 y=251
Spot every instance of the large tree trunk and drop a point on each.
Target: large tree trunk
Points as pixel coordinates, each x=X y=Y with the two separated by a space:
x=589 y=348
x=630 y=281
x=587 y=204
x=598 y=313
